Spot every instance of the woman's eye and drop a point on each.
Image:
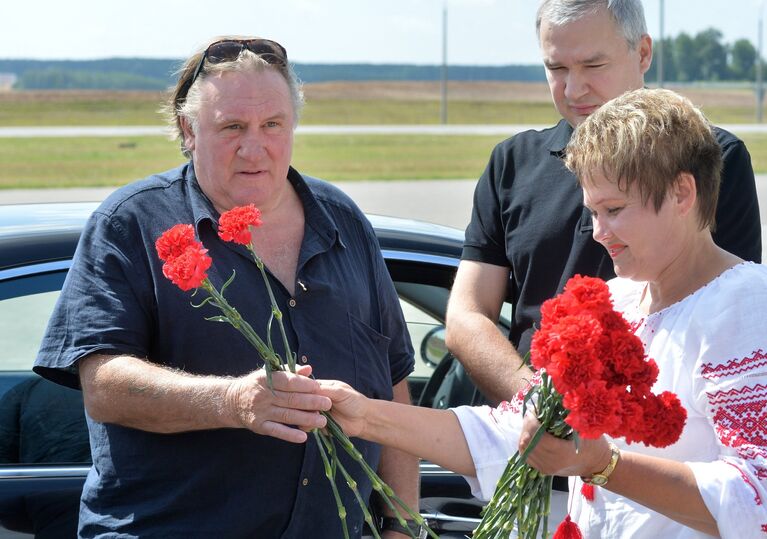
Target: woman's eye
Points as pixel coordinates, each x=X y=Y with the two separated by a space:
x=613 y=211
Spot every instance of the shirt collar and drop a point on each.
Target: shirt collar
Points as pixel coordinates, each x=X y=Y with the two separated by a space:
x=315 y=215
x=559 y=138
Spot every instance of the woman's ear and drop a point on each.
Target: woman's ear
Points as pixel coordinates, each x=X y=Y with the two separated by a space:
x=685 y=192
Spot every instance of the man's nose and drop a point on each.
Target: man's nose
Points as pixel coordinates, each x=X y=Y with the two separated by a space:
x=576 y=85
x=251 y=144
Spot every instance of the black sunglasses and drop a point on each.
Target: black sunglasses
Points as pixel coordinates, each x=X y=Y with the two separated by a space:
x=227 y=50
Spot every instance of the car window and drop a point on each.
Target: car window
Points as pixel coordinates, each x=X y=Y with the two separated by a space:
x=22 y=324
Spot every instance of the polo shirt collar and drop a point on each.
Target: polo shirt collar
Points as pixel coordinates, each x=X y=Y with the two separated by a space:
x=559 y=138
x=314 y=214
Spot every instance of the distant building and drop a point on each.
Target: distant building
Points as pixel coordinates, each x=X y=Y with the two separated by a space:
x=7 y=80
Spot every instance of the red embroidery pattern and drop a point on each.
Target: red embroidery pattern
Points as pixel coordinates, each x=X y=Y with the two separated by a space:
x=757 y=498
x=740 y=420
x=713 y=371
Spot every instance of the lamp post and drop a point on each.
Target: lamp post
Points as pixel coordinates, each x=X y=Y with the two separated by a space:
x=660 y=47
x=443 y=101
x=759 y=83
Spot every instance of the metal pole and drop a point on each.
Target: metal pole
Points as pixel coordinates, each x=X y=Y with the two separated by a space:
x=759 y=84
x=660 y=48
x=443 y=102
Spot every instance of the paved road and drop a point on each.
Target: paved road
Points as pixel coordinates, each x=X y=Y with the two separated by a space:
x=500 y=130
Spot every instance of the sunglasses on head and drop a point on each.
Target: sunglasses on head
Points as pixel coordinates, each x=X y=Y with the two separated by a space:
x=228 y=50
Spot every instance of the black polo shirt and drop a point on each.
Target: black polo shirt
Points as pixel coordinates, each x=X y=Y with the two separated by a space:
x=344 y=317
x=528 y=215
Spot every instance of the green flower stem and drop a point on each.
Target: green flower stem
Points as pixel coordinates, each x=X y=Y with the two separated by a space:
x=352 y=484
x=522 y=498
x=325 y=443
x=330 y=474
x=275 y=309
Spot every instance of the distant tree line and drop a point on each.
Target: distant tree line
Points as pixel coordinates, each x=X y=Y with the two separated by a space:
x=704 y=57
x=686 y=58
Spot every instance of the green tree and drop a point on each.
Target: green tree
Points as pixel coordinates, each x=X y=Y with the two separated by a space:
x=712 y=54
x=743 y=60
x=669 y=61
x=686 y=58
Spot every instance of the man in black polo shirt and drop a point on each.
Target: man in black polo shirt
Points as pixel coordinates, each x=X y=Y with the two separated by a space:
x=529 y=232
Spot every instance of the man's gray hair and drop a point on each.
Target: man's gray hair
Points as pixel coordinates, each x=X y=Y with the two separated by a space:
x=627 y=14
x=188 y=105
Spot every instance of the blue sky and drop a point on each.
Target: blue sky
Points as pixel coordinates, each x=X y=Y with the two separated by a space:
x=487 y=32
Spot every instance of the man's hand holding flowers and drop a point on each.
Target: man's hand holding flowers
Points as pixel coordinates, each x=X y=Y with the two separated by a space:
x=286 y=410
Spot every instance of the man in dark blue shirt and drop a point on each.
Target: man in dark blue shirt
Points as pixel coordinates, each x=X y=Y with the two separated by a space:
x=529 y=232
x=188 y=439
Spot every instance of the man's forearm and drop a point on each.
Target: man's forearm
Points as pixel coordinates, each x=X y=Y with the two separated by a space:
x=491 y=361
x=135 y=393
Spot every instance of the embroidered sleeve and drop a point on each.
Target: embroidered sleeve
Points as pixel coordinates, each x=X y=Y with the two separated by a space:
x=734 y=488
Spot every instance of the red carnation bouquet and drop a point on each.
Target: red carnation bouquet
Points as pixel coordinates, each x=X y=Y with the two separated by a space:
x=186 y=262
x=593 y=378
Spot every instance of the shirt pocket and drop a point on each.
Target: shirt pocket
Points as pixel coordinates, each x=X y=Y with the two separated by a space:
x=370 y=351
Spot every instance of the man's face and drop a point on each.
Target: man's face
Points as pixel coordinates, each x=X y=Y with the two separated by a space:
x=243 y=142
x=588 y=62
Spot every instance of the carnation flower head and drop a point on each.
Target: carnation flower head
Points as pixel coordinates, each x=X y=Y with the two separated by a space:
x=591 y=293
x=189 y=269
x=234 y=225
x=664 y=419
x=174 y=241
x=594 y=409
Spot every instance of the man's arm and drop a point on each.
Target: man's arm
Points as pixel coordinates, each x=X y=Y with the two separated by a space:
x=399 y=469
x=139 y=394
x=473 y=336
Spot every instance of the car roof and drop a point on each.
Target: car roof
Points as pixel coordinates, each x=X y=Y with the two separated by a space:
x=39 y=233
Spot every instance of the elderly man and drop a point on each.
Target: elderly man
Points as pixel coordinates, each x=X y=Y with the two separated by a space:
x=188 y=438
x=529 y=232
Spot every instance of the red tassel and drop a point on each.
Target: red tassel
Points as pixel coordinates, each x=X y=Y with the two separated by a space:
x=587 y=491
x=568 y=530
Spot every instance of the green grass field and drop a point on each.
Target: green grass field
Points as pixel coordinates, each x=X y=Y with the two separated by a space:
x=92 y=162
x=73 y=162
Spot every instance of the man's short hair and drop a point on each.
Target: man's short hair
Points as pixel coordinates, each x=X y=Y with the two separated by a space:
x=647 y=138
x=627 y=14
x=185 y=102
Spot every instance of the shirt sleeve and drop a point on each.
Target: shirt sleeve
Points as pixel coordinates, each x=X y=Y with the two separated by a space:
x=393 y=324
x=103 y=306
x=485 y=237
x=730 y=383
x=493 y=437
x=738 y=226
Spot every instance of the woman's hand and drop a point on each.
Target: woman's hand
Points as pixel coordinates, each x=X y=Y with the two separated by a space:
x=349 y=406
x=555 y=456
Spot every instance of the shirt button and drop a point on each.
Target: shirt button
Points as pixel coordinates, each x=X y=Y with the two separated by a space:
x=292 y=303
x=305 y=482
x=304 y=359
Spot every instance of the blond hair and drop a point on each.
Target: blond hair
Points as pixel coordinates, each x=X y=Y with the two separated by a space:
x=646 y=138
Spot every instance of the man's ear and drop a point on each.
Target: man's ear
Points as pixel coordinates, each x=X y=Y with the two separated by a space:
x=685 y=192
x=645 y=53
x=188 y=133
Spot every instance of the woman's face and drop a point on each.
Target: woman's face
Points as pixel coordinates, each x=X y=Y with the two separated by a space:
x=641 y=242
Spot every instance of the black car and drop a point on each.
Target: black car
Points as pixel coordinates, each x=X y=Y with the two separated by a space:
x=44 y=453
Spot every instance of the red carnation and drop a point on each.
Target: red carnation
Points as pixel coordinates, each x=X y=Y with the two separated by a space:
x=664 y=419
x=591 y=292
x=594 y=409
x=189 y=269
x=234 y=225
x=174 y=241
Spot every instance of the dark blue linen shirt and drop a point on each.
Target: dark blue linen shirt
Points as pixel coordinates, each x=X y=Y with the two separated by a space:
x=344 y=319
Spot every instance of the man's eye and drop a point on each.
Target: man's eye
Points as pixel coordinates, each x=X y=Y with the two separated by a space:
x=613 y=211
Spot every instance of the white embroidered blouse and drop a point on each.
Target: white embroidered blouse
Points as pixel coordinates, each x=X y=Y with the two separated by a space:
x=711 y=349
